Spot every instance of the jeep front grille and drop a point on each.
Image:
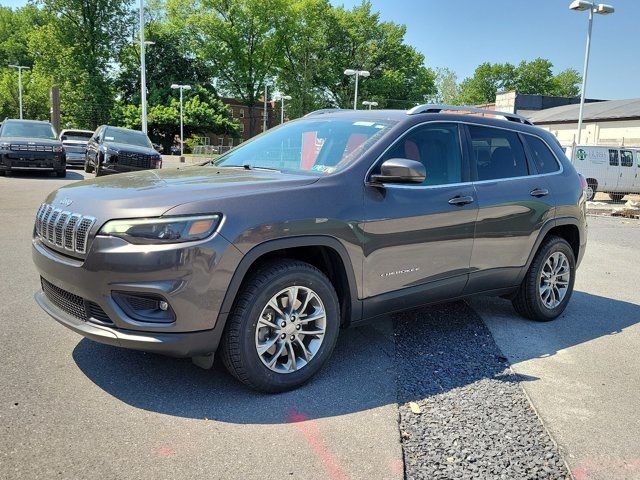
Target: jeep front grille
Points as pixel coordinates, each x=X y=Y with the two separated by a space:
x=63 y=229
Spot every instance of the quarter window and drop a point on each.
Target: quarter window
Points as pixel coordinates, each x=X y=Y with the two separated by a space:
x=613 y=158
x=626 y=158
x=498 y=153
x=543 y=158
x=437 y=147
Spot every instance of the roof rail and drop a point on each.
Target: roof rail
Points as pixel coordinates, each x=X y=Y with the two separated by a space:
x=437 y=108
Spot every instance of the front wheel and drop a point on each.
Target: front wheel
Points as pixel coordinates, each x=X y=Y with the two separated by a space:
x=548 y=284
x=61 y=173
x=616 y=197
x=283 y=327
x=87 y=166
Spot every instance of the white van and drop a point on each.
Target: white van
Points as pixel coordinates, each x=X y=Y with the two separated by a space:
x=613 y=170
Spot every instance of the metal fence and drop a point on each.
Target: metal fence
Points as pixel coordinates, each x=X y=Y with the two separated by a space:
x=612 y=173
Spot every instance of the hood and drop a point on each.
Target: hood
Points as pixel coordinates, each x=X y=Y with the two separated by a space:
x=150 y=193
x=125 y=147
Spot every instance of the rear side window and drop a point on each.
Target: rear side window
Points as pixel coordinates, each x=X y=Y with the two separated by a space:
x=544 y=160
x=498 y=153
x=626 y=158
x=613 y=158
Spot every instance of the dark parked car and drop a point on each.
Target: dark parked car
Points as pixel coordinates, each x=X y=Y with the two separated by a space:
x=324 y=222
x=116 y=150
x=30 y=145
x=75 y=145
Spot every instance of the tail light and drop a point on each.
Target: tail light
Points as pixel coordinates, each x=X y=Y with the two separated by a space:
x=583 y=182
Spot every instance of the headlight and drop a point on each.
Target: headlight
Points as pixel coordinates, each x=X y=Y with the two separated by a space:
x=162 y=230
x=58 y=149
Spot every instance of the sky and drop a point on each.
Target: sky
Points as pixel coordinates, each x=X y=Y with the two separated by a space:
x=461 y=34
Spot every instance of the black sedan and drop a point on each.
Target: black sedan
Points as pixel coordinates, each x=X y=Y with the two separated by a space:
x=116 y=150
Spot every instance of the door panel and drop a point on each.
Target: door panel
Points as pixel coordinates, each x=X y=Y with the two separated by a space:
x=414 y=236
x=627 y=171
x=512 y=208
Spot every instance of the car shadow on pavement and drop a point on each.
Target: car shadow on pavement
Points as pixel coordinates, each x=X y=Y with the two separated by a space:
x=587 y=317
x=46 y=176
x=363 y=371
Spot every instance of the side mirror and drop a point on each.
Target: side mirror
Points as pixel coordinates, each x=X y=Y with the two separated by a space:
x=63 y=138
x=400 y=170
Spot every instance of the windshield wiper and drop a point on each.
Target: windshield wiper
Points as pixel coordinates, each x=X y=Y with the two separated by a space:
x=246 y=166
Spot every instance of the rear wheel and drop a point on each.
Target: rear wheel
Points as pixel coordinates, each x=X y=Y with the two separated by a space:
x=616 y=197
x=283 y=327
x=61 y=173
x=548 y=284
x=592 y=188
x=87 y=166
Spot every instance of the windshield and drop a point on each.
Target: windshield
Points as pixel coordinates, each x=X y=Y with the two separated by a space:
x=320 y=146
x=129 y=137
x=28 y=129
x=78 y=136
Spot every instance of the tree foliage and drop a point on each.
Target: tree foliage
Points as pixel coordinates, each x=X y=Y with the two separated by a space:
x=534 y=77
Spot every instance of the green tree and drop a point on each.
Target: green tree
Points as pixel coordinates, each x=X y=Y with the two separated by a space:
x=487 y=79
x=567 y=83
x=203 y=114
x=446 y=83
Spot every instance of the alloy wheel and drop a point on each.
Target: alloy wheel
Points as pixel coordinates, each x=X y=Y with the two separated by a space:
x=554 y=280
x=290 y=329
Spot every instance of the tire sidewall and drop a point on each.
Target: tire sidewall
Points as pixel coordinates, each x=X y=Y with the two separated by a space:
x=260 y=373
x=557 y=245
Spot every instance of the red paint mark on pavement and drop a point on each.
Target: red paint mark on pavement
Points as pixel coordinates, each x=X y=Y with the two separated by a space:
x=166 y=451
x=311 y=433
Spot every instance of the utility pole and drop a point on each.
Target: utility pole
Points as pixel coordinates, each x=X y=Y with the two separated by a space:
x=55 y=108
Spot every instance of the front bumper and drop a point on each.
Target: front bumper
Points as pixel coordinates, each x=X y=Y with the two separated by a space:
x=32 y=161
x=75 y=159
x=192 y=278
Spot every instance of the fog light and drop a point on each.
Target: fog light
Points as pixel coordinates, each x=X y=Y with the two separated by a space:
x=163 y=305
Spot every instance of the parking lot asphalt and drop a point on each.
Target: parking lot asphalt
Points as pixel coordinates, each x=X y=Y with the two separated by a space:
x=72 y=408
x=583 y=368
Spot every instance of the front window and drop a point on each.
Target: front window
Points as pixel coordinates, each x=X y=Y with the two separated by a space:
x=128 y=137
x=320 y=146
x=28 y=130
x=626 y=158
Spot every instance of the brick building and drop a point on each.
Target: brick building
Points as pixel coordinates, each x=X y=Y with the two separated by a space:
x=241 y=114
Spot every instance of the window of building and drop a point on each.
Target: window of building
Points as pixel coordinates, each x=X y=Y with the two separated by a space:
x=543 y=158
x=242 y=127
x=613 y=158
x=242 y=113
x=221 y=141
x=498 y=153
x=626 y=158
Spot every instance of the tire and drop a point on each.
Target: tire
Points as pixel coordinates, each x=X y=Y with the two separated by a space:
x=616 y=197
x=239 y=346
x=528 y=301
x=87 y=166
x=97 y=170
x=61 y=173
x=592 y=188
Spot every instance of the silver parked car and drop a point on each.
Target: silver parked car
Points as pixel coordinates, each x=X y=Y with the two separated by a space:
x=75 y=145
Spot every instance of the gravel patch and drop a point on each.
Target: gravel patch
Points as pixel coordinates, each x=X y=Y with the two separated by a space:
x=463 y=413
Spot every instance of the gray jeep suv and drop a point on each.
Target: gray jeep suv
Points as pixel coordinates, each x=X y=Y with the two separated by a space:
x=325 y=222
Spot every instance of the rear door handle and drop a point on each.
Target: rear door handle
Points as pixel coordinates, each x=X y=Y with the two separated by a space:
x=461 y=200
x=539 y=192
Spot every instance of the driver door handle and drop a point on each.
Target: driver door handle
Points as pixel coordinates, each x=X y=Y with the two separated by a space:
x=539 y=192
x=461 y=200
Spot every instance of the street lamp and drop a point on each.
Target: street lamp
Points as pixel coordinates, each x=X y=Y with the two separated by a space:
x=600 y=9
x=282 y=98
x=143 y=69
x=371 y=104
x=181 y=87
x=357 y=73
x=264 y=119
x=20 y=68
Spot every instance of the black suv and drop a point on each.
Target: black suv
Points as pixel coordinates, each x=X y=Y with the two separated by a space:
x=30 y=145
x=324 y=222
x=116 y=150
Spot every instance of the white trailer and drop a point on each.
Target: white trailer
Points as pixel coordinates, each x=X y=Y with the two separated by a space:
x=613 y=170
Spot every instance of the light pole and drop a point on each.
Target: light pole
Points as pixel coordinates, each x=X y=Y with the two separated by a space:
x=20 y=68
x=143 y=69
x=601 y=9
x=371 y=104
x=264 y=120
x=181 y=88
x=282 y=98
x=357 y=73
